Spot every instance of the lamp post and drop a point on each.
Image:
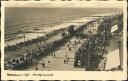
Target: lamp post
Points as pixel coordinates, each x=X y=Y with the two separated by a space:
x=120 y=54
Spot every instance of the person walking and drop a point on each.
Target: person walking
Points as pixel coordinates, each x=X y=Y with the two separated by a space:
x=69 y=48
x=54 y=55
x=36 y=68
x=43 y=65
x=49 y=61
x=67 y=60
x=68 y=45
x=64 y=61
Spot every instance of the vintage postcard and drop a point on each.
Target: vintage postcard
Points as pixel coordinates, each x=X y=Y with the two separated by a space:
x=64 y=40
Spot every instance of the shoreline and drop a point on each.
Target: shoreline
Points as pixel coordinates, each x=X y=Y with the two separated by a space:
x=47 y=30
x=40 y=32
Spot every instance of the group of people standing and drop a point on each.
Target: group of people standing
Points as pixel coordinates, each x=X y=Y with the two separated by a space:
x=91 y=52
x=33 y=56
x=32 y=41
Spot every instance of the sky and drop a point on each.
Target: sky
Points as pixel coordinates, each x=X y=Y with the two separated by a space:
x=105 y=4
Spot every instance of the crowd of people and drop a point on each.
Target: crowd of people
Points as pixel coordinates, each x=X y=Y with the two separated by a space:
x=92 y=46
x=36 y=40
x=91 y=54
x=33 y=56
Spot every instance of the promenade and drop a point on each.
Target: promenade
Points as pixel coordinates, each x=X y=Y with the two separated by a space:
x=57 y=62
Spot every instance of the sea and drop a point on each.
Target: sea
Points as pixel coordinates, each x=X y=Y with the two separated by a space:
x=22 y=19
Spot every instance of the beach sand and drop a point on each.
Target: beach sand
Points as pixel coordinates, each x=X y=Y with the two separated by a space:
x=64 y=24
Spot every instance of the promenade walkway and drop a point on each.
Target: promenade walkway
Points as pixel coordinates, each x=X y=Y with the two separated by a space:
x=57 y=62
x=113 y=59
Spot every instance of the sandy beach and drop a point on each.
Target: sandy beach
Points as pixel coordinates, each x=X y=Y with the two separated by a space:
x=41 y=32
x=29 y=36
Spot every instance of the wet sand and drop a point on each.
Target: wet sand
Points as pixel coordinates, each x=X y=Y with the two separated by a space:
x=29 y=36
